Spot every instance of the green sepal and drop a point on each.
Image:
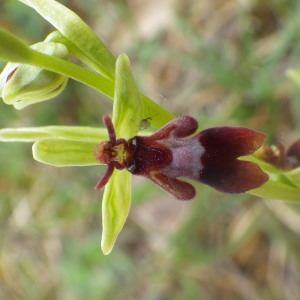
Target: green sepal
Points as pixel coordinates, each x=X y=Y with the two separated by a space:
x=63 y=153
x=115 y=206
x=128 y=107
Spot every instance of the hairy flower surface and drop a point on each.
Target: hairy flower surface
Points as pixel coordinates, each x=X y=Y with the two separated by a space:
x=209 y=157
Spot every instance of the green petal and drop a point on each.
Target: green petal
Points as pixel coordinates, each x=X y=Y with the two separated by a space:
x=62 y=153
x=115 y=208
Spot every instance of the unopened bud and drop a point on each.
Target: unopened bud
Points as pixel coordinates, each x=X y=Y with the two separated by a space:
x=22 y=85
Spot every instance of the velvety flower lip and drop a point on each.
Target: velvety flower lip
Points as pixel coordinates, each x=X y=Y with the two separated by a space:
x=221 y=168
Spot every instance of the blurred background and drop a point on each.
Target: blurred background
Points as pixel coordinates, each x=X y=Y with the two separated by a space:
x=223 y=62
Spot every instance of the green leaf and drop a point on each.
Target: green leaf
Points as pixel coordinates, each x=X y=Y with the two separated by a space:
x=77 y=32
x=33 y=134
x=62 y=153
x=115 y=208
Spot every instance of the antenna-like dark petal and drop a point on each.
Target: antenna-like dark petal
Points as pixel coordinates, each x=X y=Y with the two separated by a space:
x=110 y=129
x=103 y=181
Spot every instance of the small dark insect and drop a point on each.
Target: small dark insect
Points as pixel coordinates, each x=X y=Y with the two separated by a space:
x=209 y=157
x=145 y=123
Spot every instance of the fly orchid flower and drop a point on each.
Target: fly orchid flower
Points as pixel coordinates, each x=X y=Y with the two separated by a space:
x=209 y=157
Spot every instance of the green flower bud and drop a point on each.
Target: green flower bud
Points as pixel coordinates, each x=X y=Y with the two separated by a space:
x=22 y=85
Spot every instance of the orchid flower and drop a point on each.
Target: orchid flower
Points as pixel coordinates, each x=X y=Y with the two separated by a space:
x=209 y=157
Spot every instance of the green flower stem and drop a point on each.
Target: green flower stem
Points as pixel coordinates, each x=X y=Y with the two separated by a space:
x=73 y=71
x=57 y=37
x=12 y=48
x=63 y=153
x=33 y=134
